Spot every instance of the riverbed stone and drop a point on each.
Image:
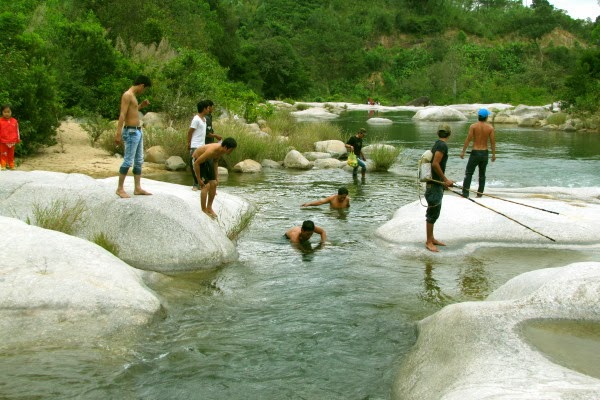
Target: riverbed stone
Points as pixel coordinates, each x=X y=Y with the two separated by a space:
x=477 y=350
x=247 y=166
x=54 y=285
x=334 y=147
x=156 y=154
x=166 y=232
x=175 y=163
x=439 y=113
x=295 y=160
x=379 y=121
x=328 y=163
x=465 y=226
x=315 y=155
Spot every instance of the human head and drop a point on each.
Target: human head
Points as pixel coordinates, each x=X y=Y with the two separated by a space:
x=210 y=105
x=142 y=80
x=308 y=226
x=203 y=104
x=342 y=191
x=482 y=114
x=6 y=111
x=362 y=131
x=230 y=144
x=444 y=130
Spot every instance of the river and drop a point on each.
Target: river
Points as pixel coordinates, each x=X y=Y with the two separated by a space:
x=329 y=323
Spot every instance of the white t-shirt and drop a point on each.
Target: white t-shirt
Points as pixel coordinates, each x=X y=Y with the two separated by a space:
x=199 y=135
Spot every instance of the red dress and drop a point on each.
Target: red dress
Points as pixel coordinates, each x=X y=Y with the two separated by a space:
x=9 y=137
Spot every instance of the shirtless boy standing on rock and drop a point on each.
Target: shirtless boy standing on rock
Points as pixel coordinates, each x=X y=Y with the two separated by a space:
x=206 y=166
x=480 y=133
x=129 y=132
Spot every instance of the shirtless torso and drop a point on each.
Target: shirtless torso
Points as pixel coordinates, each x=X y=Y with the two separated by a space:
x=480 y=133
x=335 y=201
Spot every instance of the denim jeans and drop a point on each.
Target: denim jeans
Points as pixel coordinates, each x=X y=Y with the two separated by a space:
x=134 y=151
x=478 y=158
x=361 y=164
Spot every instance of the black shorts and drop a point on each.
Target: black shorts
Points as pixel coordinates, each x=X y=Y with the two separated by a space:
x=434 y=194
x=207 y=171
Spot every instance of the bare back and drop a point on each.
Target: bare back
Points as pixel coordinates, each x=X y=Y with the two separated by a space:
x=482 y=133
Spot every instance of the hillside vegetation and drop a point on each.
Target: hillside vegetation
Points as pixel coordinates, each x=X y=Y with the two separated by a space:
x=76 y=57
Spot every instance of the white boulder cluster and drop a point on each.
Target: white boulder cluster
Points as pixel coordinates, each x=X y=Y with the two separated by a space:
x=479 y=350
x=57 y=281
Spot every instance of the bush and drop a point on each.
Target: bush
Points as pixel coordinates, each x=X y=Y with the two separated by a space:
x=558 y=118
x=61 y=215
x=172 y=140
x=106 y=141
x=96 y=126
x=384 y=157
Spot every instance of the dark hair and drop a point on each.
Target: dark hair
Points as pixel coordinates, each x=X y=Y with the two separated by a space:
x=308 y=226
x=230 y=143
x=480 y=118
x=142 y=80
x=202 y=105
x=5 y=106
x=209 y=102
x=342 y=190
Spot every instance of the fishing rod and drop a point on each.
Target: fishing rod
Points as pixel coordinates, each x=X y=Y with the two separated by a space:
x=504 y=215
x=496 y=197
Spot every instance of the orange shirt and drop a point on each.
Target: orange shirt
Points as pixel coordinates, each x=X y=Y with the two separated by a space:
x=9 y=131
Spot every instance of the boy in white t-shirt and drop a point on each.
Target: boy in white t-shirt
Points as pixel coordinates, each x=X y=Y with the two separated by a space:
x=196 y=135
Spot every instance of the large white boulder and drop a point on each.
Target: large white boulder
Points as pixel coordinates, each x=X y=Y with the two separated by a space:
x=482 y=350
x=53 y=284
x=464 y=225
x=438 y=113
x=295 y=160
x=314 y=114
x=165 y=232
x=334 y=147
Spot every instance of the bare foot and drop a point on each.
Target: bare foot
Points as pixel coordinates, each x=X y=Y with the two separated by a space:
x=195 y=188
x=211 y=212
x=141 y=192
x=122 y=194
x=437 y=242
x=212 y=215
x=431 y=247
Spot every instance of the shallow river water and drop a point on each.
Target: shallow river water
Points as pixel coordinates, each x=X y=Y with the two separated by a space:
x=328 y=323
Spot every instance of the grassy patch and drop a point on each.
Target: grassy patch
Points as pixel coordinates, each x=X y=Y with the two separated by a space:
x=384 y=156
x=62 y=215
x=96 y=126
x=102 y=240
x=558 y=118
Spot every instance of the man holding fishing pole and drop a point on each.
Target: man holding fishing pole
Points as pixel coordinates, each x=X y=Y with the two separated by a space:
x=480 y=133
x=434 y=191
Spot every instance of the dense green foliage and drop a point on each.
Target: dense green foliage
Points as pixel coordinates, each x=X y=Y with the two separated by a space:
x=61 y=57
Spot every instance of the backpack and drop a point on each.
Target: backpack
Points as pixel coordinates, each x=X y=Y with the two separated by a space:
x=424 y=165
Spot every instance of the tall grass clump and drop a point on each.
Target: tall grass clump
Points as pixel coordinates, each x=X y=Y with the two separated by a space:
x=304 y=135
x=62 y=215
x=106 y=141
x=282 y=123
x=558 y=118
x=384 y=156
x=172 y=139
x=102 y=240
x=250 y=145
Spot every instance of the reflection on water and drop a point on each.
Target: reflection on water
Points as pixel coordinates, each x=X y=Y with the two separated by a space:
x=432 y=292
x=473 y=279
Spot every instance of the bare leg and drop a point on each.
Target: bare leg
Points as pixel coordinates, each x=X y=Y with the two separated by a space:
x=120 y=191
x=138 y=187
x=203 y=199
x=430 y=240
x=212 y=192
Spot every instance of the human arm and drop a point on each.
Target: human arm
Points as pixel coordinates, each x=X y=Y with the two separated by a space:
x=493 y=144
x=435 y=165
x=321 y=232
x=190 y=133
x=318 y=202
x=143 y=104
x=467 y=141
x=125 y=101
